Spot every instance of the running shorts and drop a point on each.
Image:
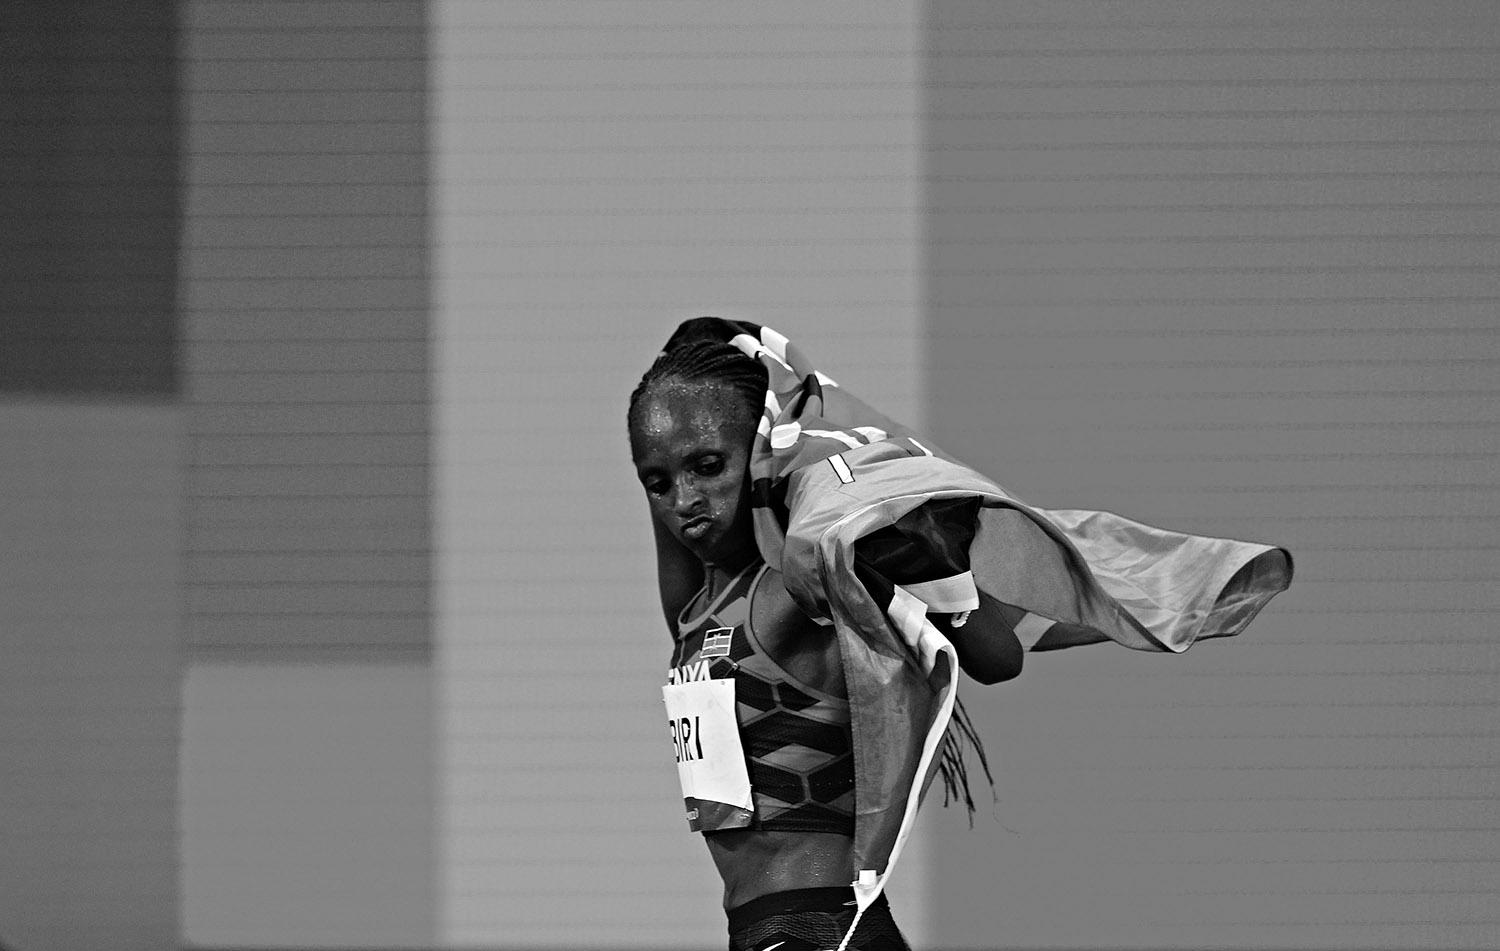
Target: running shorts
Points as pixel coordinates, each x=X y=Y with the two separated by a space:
x=812 y=919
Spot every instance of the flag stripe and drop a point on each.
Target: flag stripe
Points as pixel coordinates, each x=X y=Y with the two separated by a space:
x=1031 y=628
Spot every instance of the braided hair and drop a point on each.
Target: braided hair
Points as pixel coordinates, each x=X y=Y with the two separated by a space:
x=704 y=361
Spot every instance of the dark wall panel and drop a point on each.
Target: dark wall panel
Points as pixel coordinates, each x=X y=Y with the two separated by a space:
x=305 y=292
x=89 y=216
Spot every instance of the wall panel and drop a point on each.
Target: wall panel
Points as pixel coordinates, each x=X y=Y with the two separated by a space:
x=91 y=521
x=602 y=172
x=89 y=216
x=305 y=295
x=91 y=510
x=306 y=781
x=306 y=806
x=1233 y=272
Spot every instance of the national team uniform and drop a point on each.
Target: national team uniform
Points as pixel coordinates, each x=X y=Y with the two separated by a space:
x=757 y=749
x=795 y=738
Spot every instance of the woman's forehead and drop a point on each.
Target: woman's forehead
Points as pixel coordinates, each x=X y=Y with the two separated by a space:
x=708 y=401
x=697 y=409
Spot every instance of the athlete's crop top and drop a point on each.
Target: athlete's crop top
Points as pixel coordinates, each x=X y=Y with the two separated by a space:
x=796 y=738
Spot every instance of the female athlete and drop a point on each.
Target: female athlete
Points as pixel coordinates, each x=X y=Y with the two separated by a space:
x=786 y=862
x=830 y=672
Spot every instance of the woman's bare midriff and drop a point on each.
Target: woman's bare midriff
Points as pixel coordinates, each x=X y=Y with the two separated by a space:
x=753 y=863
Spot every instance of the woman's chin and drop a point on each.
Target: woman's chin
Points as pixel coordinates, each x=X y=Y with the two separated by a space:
x=731 y=557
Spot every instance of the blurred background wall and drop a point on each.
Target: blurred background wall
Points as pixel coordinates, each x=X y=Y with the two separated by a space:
x=326 y=607
x=92 y=503
x=602 y=171
x=1233 y=271
x=307 y=782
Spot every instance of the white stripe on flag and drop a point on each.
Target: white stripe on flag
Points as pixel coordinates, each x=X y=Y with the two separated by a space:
x=1030 y=629
x=948 y=595
x=848 y=439
x=845 y=474
x=775 y=342
x=754 y=348
x=910 y=614
x=747 y=344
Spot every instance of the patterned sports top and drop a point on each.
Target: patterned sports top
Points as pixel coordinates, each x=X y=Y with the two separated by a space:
x=796 y=738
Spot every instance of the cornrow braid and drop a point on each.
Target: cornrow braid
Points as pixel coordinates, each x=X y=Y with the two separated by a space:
x=705 y=361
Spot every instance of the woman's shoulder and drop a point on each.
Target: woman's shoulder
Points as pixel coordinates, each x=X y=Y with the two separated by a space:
x=770 y=590
x=800 y=646
x=774 y=611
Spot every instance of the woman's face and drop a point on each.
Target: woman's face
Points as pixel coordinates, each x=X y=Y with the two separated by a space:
x=691 y=446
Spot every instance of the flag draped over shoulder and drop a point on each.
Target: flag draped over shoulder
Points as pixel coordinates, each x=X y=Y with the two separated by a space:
x=874 y=530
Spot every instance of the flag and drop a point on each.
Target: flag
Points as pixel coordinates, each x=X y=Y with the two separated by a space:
x=874 y=529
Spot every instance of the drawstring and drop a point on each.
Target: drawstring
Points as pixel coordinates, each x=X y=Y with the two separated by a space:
x=850 y=934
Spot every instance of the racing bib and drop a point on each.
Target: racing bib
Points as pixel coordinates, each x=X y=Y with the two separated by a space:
x=710 y=759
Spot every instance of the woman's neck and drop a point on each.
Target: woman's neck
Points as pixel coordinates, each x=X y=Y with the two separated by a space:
x=718 y=577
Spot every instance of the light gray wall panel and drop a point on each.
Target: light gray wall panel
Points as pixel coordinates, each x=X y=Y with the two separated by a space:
x=603 y=171
x=91 y=520
x=306 y=806
x=1233 y=271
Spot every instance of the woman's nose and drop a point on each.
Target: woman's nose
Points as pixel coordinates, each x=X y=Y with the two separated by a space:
x=688 y=496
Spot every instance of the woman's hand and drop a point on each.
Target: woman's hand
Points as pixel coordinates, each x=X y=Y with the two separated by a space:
x=987 y=646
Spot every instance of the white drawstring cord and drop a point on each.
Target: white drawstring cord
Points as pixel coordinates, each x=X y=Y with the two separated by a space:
x=843 y=945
